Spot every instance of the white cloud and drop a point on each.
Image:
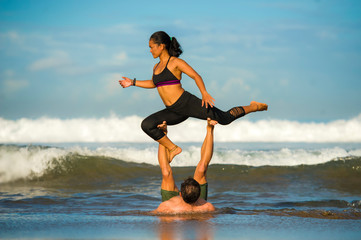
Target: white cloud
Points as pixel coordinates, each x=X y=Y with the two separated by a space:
x=57 y=59
x=123 y=29
x=111 y=83
x=284 y=82
x=211 y=59
x=292 y=26
x=326 y=35
x=14 y=42
x=109 y=86
x=116 y=60
x=235 y=83
x=12 y=35
x=121 y=57
x=11 y=83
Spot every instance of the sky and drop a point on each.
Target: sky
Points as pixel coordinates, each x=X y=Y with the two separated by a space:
x=63 y=59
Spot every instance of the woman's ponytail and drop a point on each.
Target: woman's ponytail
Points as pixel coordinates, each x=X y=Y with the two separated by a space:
x=174 y=48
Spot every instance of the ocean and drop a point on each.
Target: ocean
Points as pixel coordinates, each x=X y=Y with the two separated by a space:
x=65 y=183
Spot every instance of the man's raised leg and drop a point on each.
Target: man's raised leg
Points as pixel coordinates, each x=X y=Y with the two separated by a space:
x=200 y=174
x=168 y=185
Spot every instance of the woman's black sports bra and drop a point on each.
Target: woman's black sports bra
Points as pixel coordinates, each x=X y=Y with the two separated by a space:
x=165 y=78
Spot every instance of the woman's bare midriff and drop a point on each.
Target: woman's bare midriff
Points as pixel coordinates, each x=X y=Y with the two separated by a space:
x=170 y=94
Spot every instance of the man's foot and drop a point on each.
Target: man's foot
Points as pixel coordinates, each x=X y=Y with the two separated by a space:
x=211 y=123
x=259 y=106
x=174 y=152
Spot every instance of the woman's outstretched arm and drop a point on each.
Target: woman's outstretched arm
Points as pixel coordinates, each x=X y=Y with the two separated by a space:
x=127 y=82
x=207 y=99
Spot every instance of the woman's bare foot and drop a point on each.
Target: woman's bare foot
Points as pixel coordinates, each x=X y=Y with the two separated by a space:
x=259 y=106
x=174 y=152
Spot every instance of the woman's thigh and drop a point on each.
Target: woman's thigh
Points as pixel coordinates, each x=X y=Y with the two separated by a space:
x=170 y=117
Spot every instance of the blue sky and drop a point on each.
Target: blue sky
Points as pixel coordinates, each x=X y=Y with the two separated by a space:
x=62 y=59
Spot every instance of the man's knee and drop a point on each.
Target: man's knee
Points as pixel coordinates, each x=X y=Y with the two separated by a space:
x=166 y=172
x=202 y=169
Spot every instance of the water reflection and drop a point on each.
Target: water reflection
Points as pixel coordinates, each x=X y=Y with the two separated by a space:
x=192 y=226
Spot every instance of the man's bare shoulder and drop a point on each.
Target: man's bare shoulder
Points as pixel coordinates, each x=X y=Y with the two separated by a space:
x=203 y=206
x=168 y=206
x=176 y=205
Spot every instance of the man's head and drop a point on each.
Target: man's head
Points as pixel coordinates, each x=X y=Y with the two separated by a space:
x=190 y=190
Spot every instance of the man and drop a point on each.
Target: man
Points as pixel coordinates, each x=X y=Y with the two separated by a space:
x=193 y=195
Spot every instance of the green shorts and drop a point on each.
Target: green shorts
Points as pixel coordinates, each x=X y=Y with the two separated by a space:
x=204 y=191
x=166 y=195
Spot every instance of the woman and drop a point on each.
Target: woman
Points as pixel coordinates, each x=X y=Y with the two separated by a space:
x=179 y=103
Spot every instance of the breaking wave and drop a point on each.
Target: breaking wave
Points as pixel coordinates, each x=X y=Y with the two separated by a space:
x=127 y=129
x=28 y=162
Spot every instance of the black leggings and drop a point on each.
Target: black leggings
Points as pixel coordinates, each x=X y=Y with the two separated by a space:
x=187 y=106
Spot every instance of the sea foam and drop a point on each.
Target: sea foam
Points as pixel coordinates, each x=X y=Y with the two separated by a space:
x=127 y=129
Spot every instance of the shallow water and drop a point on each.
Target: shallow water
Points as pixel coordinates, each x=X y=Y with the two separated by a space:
x=85 y=191
x=137 y=226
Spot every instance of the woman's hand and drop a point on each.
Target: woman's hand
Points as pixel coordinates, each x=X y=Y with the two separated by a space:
x=207 y=100
x=126 y=82
x=163 y=127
